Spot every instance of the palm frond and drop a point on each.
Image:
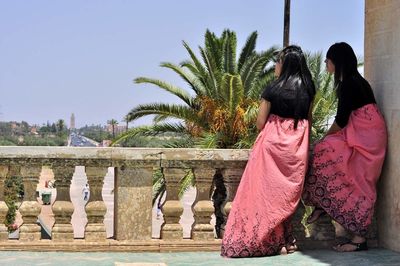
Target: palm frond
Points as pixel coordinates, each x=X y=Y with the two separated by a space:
x=251 y=112
x=194 y=85
x=182 y=94
x=176 y=111
x=199 y=66
x=229 y=53
x=186 y=182
x=232 y=91
x=211 y=78
x=213 y=48
x=247 y=50
x=208 y=141
x=150 y=131
x=183 y=142
x=254 y=67
x=266 y=77
x=158 y=185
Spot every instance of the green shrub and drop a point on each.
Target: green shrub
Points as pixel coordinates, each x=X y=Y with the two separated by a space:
x=13 y=192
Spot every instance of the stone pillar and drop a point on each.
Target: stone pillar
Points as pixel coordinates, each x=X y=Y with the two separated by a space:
x=381 y=68
x=30 y=208
x=172 y=208
x=96 y=208
x=132 y=204
x=63 y=207
x=203 y=207
x=3 y=205
x=232 y=178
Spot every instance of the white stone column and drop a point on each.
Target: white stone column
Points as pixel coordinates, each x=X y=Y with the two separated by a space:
x=96 y=208
x=172 y=208
x=30 y=208
x=63 y=207
x=203 y=207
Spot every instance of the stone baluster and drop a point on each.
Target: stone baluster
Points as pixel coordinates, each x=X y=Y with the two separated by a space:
x=63 y=207
x=132 y=204
x=203 y=207
x=30 y=208
x=3 y=205
x=172 y=208
x=96 y=208
x=231 y=177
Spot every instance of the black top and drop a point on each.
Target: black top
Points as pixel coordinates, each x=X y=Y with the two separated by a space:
x=284 y=102
x=354 y=92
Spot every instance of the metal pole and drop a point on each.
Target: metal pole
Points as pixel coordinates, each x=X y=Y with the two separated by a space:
x=286 y=23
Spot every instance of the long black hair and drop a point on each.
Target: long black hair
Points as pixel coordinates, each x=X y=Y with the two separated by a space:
x=343 y=57
x=294 y=75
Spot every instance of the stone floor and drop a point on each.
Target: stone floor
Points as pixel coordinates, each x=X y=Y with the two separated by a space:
x=312 y=257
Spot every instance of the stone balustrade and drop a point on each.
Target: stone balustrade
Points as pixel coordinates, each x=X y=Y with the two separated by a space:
x=215 y=171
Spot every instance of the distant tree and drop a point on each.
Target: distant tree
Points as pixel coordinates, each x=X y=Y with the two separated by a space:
x=25 y=127
x=53 y=128
x=60 y=127
x=113 y=123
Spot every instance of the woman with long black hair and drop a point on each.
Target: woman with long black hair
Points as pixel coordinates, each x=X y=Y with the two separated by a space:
x=272 y=183
x=347 y=162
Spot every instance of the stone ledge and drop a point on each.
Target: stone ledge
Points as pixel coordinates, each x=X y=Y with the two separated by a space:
x=112 y=246
x=115 y=153
x=155 y=245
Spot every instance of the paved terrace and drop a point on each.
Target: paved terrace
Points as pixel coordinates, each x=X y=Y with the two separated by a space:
x=375 y=257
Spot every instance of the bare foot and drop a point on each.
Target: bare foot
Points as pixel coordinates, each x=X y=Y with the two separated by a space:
x=283 y=251
x=358 y=243
x=291 y=248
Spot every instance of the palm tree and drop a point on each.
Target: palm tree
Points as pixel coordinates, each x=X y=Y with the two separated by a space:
x=113 y=123
x=60 y=125
x=220 y=108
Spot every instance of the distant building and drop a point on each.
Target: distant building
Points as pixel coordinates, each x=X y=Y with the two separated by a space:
x=117 y=129
x=34 y=130
x=72 y=124
x=105 y=143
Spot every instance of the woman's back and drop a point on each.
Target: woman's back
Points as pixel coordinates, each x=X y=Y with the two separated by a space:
x=354 y=92
x=288 y=102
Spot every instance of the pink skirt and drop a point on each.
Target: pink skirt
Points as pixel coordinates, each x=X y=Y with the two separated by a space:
x=345 y=168
x=269 y=191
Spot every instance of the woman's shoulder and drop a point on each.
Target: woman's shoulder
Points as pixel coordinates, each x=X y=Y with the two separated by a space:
x=268 y=91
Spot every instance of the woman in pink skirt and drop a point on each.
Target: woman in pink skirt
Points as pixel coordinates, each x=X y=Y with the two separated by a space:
x=347 y=162
x=272 y=183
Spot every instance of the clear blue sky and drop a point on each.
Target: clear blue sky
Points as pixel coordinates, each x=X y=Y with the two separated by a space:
x=59 y=57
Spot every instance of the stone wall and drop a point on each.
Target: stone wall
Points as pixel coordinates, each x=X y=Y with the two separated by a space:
x=382 y=70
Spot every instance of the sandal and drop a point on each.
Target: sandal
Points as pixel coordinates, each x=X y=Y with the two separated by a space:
x=315 y=215
x=358 y=246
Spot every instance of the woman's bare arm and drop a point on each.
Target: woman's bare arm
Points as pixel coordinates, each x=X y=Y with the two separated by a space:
x=263 y=113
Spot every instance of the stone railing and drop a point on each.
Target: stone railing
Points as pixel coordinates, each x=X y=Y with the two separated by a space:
x=217 y=174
